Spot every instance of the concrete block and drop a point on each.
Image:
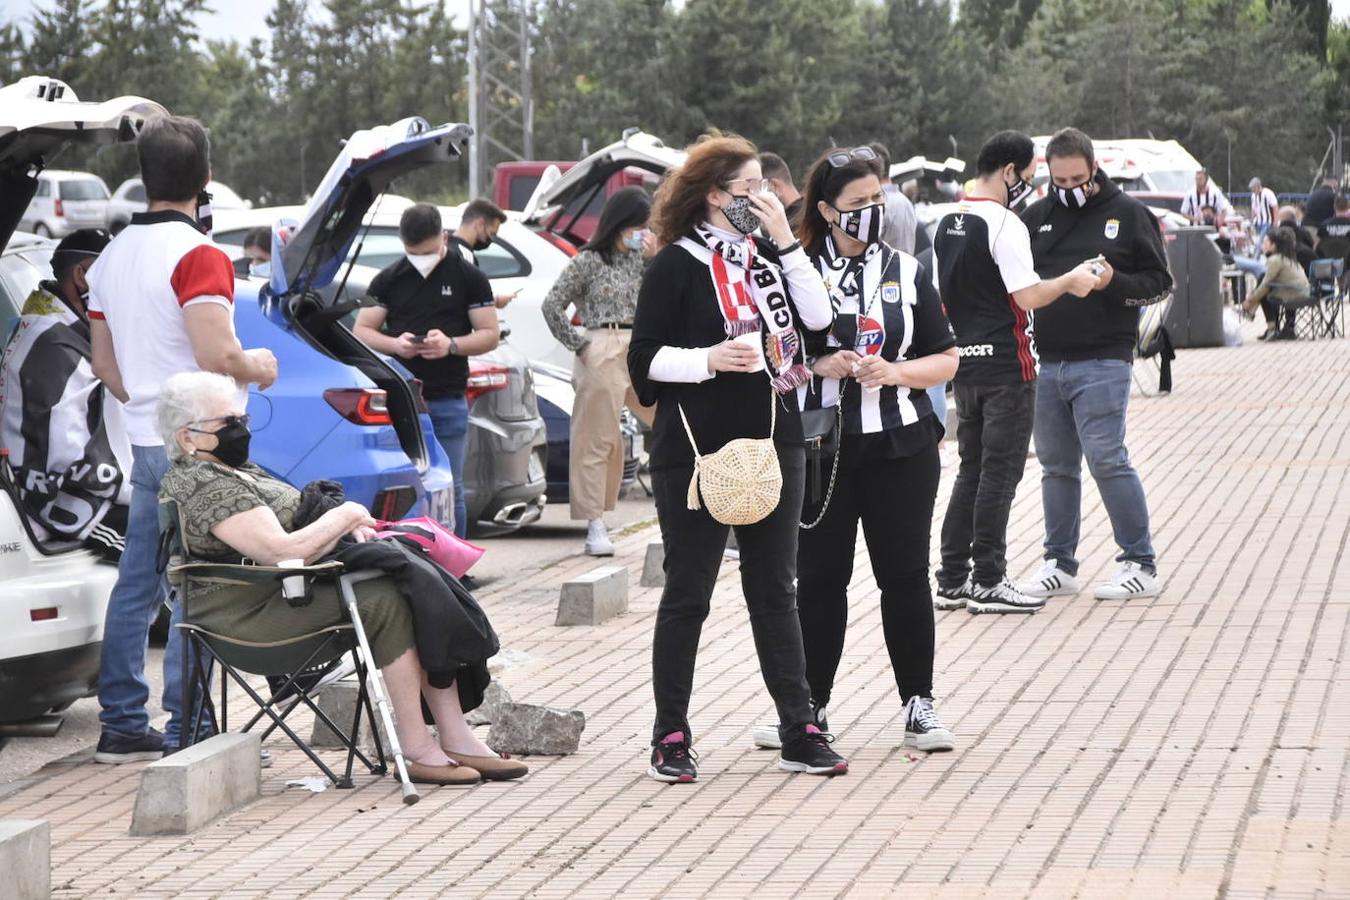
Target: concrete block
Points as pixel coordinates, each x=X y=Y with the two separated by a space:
x=595 y=597
x=183 y=792
x=654 y=565
x=338 y=701
x=26 y=859
x=494 y=698
x=525 y=730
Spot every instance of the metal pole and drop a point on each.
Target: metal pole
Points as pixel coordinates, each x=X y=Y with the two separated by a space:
x=475 y=155
x=526 y=81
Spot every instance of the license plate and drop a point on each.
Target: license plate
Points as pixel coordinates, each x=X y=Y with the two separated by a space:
x=441 y=506
x=637 y=446
x=536 y=468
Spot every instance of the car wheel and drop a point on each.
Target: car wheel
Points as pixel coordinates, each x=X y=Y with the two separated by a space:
x=42 y=230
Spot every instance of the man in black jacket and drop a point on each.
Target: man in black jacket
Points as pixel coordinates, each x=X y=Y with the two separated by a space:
x=1087 y=349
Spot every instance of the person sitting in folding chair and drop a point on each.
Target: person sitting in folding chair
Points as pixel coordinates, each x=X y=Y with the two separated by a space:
x=231 y=509
x=1285 y=279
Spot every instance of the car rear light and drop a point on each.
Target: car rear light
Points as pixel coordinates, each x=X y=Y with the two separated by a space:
x=392 y=504
x=42 y=615
x=560 y=242
x=364 y=406
x=484 y=378
x=60 y=209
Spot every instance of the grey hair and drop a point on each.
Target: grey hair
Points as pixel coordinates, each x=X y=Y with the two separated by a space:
x=184 y=399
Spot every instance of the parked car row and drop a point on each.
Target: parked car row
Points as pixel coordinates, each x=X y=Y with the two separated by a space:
x=67 y=201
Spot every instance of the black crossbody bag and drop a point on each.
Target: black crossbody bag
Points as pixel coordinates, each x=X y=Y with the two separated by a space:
x=822 y=429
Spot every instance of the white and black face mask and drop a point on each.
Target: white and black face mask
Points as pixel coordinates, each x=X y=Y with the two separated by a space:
x=1073 y=197
x=1018 y=191
x=863 y=224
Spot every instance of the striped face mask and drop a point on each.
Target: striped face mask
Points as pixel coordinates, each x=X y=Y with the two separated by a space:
x=1073 y=197
x=863 y=224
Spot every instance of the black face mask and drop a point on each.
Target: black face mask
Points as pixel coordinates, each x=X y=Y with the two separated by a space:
x=204 y=212
x=481 y=244
x=1018 y=191
x=233 y=441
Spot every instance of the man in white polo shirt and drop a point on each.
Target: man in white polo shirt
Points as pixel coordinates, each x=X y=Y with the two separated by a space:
x=161 y=301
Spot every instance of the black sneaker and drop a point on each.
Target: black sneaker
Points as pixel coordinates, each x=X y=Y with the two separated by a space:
x=115 y=749
x=923 y=729
x=766 y=736
x=807 y=749
x=947 y=598
x=673 y=760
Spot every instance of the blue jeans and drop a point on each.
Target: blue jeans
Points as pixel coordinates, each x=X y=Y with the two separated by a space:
x=1080 y=411
x=132 y=607
x=1252 y=265
x=937 y=395
x=450 y=420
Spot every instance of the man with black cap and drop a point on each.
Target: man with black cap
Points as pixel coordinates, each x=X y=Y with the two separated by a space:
x=65 y=433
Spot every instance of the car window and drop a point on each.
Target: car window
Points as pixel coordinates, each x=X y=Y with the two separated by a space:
x=1173 y=181
x=1131 y=185
x=136 y=193
x=522 y=189
x=19 y=276
x=44 y=188
x=83 y=189
x=501 y=260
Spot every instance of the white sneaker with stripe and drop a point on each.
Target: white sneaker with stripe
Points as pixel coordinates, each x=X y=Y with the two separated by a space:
x=1050 y=581
x=1132 y=582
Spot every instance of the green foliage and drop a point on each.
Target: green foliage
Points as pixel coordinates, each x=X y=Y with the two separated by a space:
x=1262 y=77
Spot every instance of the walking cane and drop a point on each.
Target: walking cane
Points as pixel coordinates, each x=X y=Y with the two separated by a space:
x=375 y=683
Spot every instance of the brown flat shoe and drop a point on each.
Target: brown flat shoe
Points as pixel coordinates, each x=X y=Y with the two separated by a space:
x=451 y=775
x=493 y=768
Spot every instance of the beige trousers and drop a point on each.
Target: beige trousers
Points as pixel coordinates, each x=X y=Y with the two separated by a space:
x=595 y=466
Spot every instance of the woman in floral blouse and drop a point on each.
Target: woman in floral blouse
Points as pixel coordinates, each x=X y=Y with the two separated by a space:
x=601 y=283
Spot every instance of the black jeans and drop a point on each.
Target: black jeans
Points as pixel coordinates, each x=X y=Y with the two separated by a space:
x=694 y=542
x=894 y=499
x=994 y=431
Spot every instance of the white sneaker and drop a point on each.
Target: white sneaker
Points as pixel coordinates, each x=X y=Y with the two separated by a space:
x=766 y=736
x=1002 y=598
x=1050 y=581
x=951 y=598
x=597 y=539
x=1132 y=582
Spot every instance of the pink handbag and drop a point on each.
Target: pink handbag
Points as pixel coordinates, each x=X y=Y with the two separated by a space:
x=452 y=553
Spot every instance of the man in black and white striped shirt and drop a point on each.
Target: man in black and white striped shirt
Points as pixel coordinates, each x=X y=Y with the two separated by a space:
x=1264 y=207
x=1205 y=194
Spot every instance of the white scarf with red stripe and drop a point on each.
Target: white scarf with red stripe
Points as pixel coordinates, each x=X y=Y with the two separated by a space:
x=752 y=296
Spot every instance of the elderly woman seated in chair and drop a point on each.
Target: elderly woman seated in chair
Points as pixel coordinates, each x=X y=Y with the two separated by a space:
x=231 y=508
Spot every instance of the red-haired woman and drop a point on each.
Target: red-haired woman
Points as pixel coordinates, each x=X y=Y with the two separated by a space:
x=712 y=284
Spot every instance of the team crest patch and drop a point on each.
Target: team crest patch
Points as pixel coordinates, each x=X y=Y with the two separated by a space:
x=890 y=292
x=1112 y=229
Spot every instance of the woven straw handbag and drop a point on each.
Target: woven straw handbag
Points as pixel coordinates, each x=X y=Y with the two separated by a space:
x=741 y=483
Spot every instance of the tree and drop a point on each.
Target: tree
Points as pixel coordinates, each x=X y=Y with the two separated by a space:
x=59 y=42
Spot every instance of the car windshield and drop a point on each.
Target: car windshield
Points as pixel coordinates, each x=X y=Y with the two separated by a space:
x=1173 y=181
x=20 y=273
x=83 y=189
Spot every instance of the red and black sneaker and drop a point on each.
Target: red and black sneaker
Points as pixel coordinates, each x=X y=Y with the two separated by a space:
x=807 y=749
x=673 y=760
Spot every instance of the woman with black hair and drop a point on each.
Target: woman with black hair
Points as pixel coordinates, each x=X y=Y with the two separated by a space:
x=889 y=342
x=601 y=283
x=1284 y=279
x=718 y=342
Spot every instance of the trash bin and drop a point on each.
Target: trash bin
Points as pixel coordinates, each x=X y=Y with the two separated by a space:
x=1196 y=316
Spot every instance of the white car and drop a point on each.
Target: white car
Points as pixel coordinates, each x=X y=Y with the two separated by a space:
x=129 y=199
x=518 y=260
x=54 y=595
x=65 y=201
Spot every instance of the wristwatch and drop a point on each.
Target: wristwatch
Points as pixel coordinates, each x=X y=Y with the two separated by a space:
x=454 y=347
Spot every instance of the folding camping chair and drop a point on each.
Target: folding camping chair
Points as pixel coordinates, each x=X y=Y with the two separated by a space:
x=291 y=660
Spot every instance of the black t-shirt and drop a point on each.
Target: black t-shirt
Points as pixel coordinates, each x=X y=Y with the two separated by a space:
x=442 y=301
x=983 y=256
x=1338 y=229
x=465 y=251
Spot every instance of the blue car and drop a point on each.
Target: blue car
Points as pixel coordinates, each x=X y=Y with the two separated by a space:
x=338 y=410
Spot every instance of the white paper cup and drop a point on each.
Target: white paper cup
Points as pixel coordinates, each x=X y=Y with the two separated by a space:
x=293 y=586
x=756 y=343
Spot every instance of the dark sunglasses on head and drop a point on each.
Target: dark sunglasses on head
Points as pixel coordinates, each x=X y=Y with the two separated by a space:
x=226 y=422
x=843 y=157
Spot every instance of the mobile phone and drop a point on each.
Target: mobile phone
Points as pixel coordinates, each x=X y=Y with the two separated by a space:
x=1098 y=264
x=419 y=338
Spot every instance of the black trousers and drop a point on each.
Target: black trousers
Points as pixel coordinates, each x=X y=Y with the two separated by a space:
x=894 y=500
x=994 y=431
x=694 y=542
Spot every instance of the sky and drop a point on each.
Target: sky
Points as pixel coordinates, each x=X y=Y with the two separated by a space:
x=246 y=18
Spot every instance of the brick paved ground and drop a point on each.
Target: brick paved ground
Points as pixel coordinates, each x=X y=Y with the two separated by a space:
x=1190 y=745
